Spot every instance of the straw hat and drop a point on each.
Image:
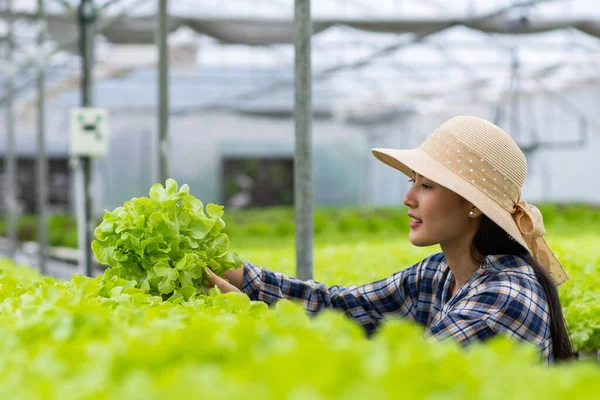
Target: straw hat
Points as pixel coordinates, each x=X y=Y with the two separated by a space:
x=480 y=162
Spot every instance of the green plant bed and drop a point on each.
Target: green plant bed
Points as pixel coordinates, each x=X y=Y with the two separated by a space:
x=97 y=339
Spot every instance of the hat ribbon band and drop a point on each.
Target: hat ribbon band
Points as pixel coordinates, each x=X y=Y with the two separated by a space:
x=530 y=223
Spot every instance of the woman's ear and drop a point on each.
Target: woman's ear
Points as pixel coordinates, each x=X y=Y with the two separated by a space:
x=474 y=212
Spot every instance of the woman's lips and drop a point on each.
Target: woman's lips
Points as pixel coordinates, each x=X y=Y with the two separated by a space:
x=414 y=222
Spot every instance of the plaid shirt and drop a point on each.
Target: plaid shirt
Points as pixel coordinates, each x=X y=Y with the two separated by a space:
x=502 y=297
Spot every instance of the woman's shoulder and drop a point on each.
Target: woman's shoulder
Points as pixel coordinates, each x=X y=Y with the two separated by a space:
x=431 y=267
x=428 y=268
x=431 y=263
x=508 y=267
x=433 y=260
x=499 y=267
x=511 y=277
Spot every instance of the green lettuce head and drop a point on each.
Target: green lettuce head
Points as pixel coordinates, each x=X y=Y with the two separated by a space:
x=163 y=242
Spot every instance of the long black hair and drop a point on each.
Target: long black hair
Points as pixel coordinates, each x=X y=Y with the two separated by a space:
x=491 y=239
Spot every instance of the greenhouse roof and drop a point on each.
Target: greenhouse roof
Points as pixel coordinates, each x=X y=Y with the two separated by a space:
x=418 y=54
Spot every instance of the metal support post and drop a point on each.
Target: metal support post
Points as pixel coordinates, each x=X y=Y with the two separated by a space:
x=87 y=17
x=163 y=93
x=303 y=180
x=42 y=162
x=10 y=161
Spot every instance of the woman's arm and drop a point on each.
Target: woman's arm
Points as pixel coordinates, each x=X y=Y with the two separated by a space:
x=231 y=283
x=367 y=304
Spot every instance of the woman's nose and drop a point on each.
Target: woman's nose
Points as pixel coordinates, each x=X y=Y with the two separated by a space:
x=409 y=200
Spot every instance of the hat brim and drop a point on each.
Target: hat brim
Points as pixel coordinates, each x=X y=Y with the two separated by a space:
x=407 y=161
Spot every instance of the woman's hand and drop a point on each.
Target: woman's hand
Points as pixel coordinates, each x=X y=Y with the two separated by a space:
x=235 y=277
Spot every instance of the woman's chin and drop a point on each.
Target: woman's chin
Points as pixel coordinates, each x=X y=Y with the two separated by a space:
x=417 y=241
x=414 y=241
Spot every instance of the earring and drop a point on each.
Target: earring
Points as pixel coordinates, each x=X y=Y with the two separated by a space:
x=472 y=213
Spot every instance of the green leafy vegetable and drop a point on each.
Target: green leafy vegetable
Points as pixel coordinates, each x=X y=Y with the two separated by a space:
x=162 y=242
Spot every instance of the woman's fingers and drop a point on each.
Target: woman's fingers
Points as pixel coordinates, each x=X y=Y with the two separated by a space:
x=209 y=276
x=221 y=283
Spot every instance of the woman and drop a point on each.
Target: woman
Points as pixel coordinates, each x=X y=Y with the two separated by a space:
x=495 y=274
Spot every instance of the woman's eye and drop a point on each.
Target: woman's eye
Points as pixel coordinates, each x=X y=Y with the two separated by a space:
x=424 y=186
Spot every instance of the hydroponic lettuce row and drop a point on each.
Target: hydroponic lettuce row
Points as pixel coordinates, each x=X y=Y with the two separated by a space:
x=163 y=242
x=89 y=339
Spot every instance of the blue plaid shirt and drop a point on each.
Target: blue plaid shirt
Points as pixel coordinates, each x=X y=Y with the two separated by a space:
x=502 y=297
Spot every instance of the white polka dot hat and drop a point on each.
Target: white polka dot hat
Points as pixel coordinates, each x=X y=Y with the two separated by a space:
x=480 y=162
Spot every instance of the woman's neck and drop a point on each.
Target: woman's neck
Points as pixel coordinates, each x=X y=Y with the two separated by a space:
x=460 y=262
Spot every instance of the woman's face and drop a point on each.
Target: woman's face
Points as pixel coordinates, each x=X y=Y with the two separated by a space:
x=438 y=215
